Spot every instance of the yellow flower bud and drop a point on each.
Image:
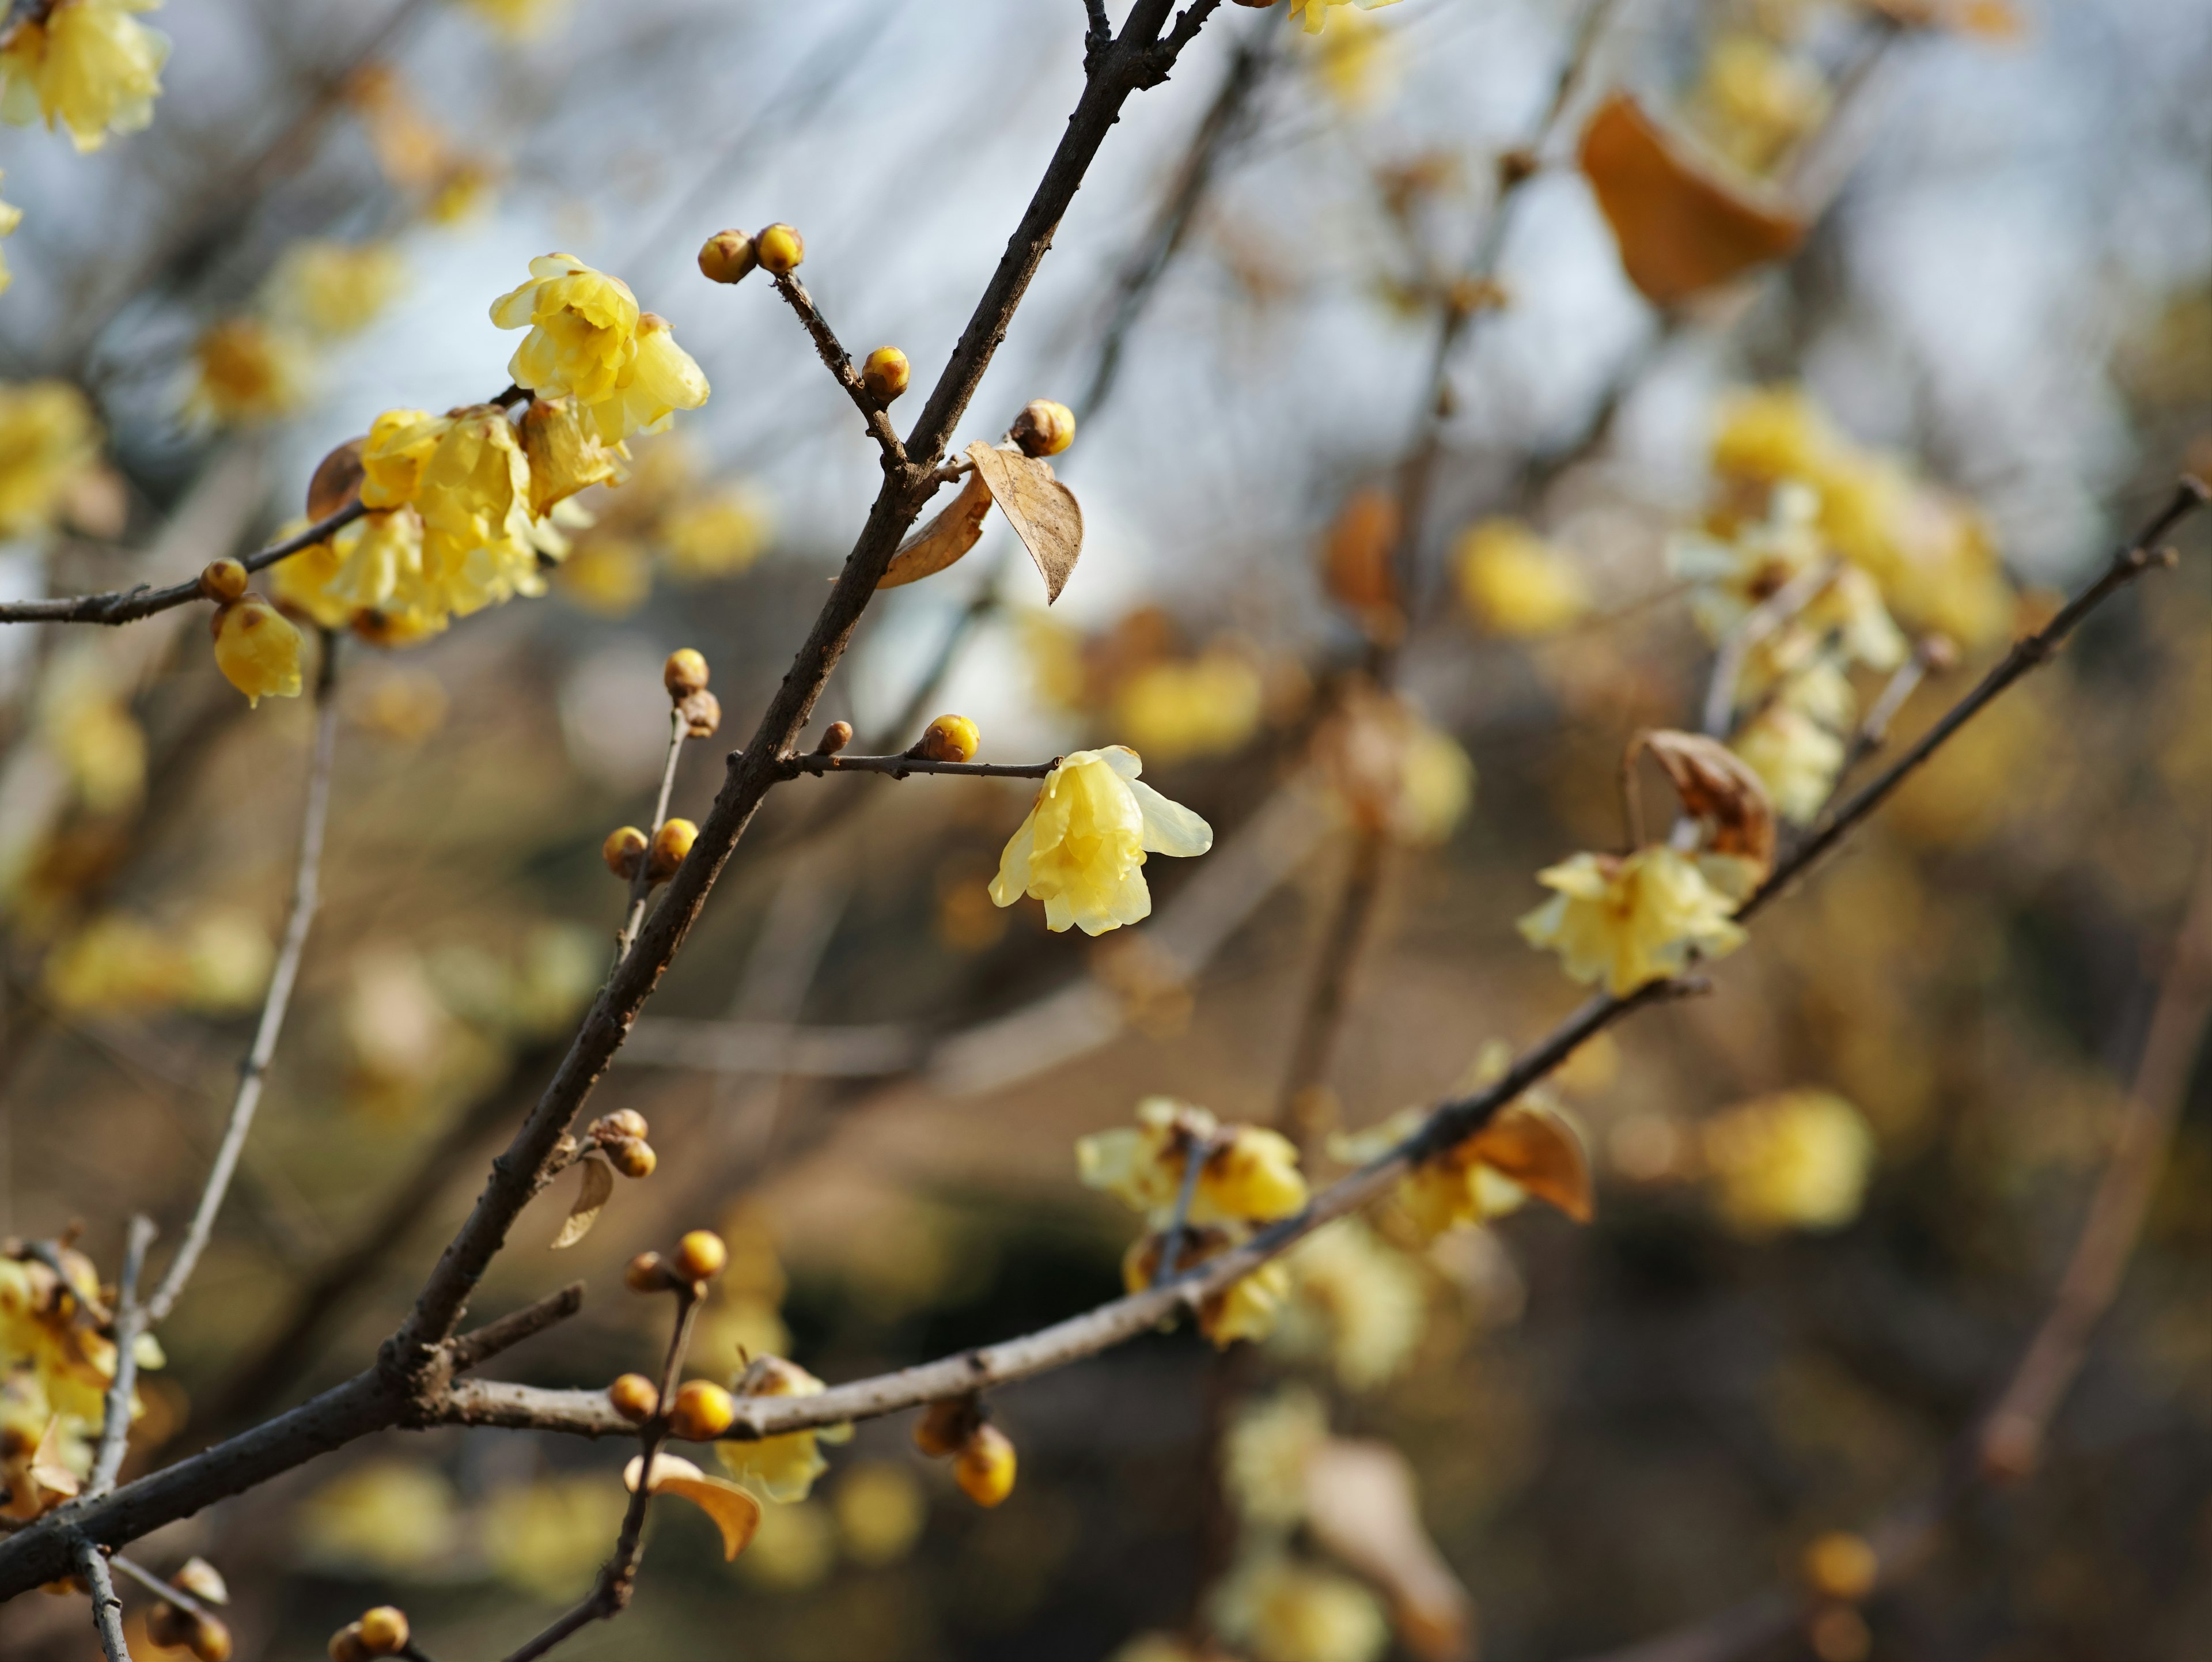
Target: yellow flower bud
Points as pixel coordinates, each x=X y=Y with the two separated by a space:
x=835 y=738
x=945 y=1427
x=1043 y=427
x=985 y=1467
x=632 y=1156
x=346 y=1645
x=670 y=844
x=684 y=673
x=727 y=257
x=257 y=649
x=884 y=374
x=208 y=1640
x=222 y=580
x=949 y=738
x=384 y=1630
x=337 y=479
x=634 y=1398
x=624 y=847
x=1841 y=1565
x=646 y=1274
x=703 y=1411
x=699 y=1254
x=779 y=249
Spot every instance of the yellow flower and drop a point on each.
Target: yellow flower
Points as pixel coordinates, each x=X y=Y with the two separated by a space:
x=1360 y=1303
x=880 y=1510
x=85 y=724
x=257 y=649
x=49 y=439
x=781 y=1469
x=1756 y=99
x=1314 y=13
x=1283 y=1610
x=565 y=453
x=1082 y=848
x=1247 y=1308
x=1798 y=1159
x=1353 y=63
x=87 y=63
x=660 y=380
x=1265 y=1451
x=1630 y=919
x=474 y=497
x=583 y=330
x=1250 y=1173
x=520 y=20
x=382 y=562
x=394 y=455
x=247 y=371
x=300 y=582
x=1795 y=759
x=608 y=576
x=1514 y=582
x=335 y=287
x=715 y=536
x=1201 y=706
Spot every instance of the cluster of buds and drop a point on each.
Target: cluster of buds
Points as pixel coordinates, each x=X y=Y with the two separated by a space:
x=948 y=738
x=731 y=256
x=379 y=1632
x=627 y=849
x=621 y=1137
x=189 y=1624
x=982 y=1455
x=684 y=675
x=256 y=647
x=697 y=1259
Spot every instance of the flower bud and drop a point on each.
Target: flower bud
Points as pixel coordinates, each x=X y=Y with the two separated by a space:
x=985 y=1466
x=648 y=1274
x=835 y=738
x=702 y=714
x=632 y=1156
x=684 y=673
x=622 y=1123
x=670 y=844
x=945 y=1426
x=729 y=256
x=699 y=1254
x=949 y=738
x=635 y=1397
x=703 y=1411
x=623 y=849
x=336 y=480
x=346 y=1645
x=222 y=580
x=1043 y=427
x=779 y=249
x=384 y=1630
x=884 y=374
x=208 y=1640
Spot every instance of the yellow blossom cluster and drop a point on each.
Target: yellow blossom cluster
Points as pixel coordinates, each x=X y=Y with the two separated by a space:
x=1626 y=919
x=89 y=64
x=1082 y=848
x=55 y=1369
x=1280 y=1608
x=588 y=341
x=217 y=962
x=1358 y=1303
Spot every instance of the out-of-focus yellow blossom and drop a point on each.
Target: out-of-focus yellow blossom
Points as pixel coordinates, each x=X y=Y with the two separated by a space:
x=247 y=371
x=87 y=63
x=1795 y=759
x=1627 y=920
x=227 y=956
x=1394 y=772
x=717 y=535
x=795 y=1548
x=610 y=576
x=1359 y=1302
x=1283 y=1610
x=392 y=1517
x=1353 y=63
x=1250 y=1174
x=218 y=964
x=880 y=1510
x=1082 y=848
x=1756 y=99
x=49 y=440
x=1314 y=13
x=1247 y=1308
x=583 y=330
x=57 y=1368
x=548 y=1538
x=85 y=723
x=520 y=20
x=781 y=1469
x=1513 y=581
x=1798 y=1159
x=336 y=289
x=10 y=217
x=1264 y=1455
x=301 y=583
x=1201 y=706
x=257 y=649
x=663 y=378
x=405 y=706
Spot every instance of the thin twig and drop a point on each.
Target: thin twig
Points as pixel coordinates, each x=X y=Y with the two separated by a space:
x=154 y=1584
x=1752 y=629
x=899 y=767
x=106 y=1603
x=1197 y=1151
x=479 y=1345
x=306 y=891
x=642 y=882
x=840 y=365
x=130 y=1322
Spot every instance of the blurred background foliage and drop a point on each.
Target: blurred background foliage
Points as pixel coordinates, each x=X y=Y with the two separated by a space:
x=1832 y=1199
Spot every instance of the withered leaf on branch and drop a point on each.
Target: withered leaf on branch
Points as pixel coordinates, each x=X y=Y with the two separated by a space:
x=735 y=1513
x=1044 y=511
x=1535 y=1146
x=1684 y=224
x=591 y=1200
x=1716 y=786
x=950 y=534
x=1362 y=1505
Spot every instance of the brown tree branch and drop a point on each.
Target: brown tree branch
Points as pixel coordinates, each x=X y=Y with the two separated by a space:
x=106 y=1603
x=899 y=766
x=479 y=1345
x=840 y=365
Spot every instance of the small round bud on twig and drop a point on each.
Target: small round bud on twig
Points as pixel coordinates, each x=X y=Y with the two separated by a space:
x=946 y=1426
x=647 y=1273
x=684 y=673
x=346 y=1645
x=702 y=1411
x=949 y=738
x=700 y=1255
x=624 y=847
x=884 y=374
x=985 y=1466
x=1840 y=1565
x=222 y=580
x=634 y=1399
x=835 y=738
x=1043 y=427
x=336 y=480
x=384 y=1630
x=670 y=844
x=779 y=249
x=729 y=256
x=702 y=714
x=622 y=1123
x=632 y=1156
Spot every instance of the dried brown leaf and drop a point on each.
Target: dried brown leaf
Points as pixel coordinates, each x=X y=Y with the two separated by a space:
x=1683 y=224
x=591 y=1200
x=949 y=535
x=735 y=1512
x=1044 y=511
x=1537 y=1149
x=1717 y=786
x=1355 y=562
x=1363 y=1505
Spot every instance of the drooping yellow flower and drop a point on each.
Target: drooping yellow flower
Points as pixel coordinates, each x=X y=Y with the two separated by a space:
x=583 y=330
x=1082 y=848
x=337 y=289
x=300 y=582
x=1264 y=1455
x=1249 y=1173
x=87 y=64
x=257 y=649
x=1359 y=1303
x=381 y=568
x=717 y=535
x=49 y=439
x=247 y=371
x=1280 y=1609
x=1795 y=759
x=1514 y=582
x=781 y=1469
x=394 y=455
x=660 y=380
x=1202 y=706
x=1628 y=920
x=1798 y=1159
x=1314 y=13
x=1247 y=1308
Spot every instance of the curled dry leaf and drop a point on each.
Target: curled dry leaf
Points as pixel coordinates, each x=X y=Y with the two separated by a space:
x=591 y=1200
x=735 y=1512
x=1683 y=223
x=1535 y=1146
x=1356 y=566
x=950 y=534
x=1362 y=1505
x=1716 y=786
x=1044 y=511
